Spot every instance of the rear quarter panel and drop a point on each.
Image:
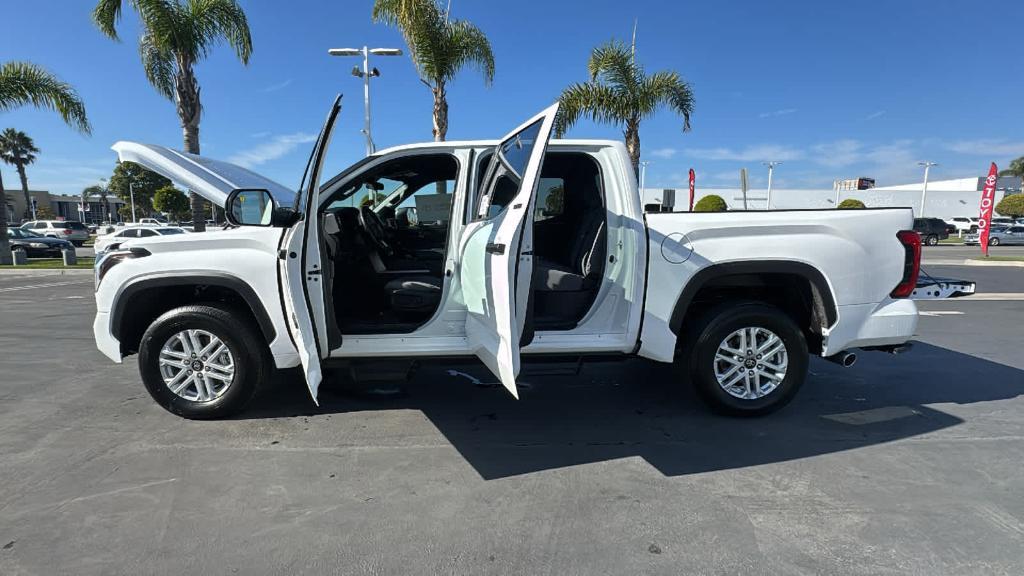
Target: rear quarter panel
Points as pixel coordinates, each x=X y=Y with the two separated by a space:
x=855 y=250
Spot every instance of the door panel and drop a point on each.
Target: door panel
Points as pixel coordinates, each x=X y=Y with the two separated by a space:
x=496 y=262
x=302 y=278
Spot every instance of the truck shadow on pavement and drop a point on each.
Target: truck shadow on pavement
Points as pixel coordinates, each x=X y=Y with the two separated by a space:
x=636 y=408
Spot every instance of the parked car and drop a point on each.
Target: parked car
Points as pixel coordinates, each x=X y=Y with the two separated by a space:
x=151 y=222
x=1012 y=235
x=70 y=230
x=35 y=245
x=931 y=230
x=314 y=280
x=103 y=243
x=962 y=224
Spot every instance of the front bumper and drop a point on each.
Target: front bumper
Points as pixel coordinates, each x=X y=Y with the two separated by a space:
x=105 y=341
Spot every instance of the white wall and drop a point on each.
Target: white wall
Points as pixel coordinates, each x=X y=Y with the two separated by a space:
x=940 y=203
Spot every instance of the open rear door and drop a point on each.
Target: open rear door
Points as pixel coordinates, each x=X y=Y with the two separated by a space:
x=302 y=279
x=496 y=260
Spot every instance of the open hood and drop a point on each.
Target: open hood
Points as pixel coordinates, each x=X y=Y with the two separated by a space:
x=211 y=179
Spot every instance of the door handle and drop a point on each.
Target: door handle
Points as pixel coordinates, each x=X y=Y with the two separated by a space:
x=493 y=248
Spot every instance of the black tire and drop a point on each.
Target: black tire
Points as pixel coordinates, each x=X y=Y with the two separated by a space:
x=235 y=330
x=697 y=358
x=993 y=241
x=931 y=240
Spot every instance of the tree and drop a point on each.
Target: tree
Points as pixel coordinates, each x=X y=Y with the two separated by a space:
x=371 y=199
x=18 y=150
x=851 y=204
x=621 y=93
x=45 y=213
x=1011 y=206
x=25 y=84
x=129 y=177
x=171 y=201
x=1016 y=169
x=710 y=203
x=102 y=191
x=440 y=48
x=177 y=34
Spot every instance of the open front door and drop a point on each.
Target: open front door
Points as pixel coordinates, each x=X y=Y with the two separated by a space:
x=496 y=262
x=302 y=279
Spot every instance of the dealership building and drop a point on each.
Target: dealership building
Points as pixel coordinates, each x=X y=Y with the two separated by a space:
x=945 y=198
x=64 y=207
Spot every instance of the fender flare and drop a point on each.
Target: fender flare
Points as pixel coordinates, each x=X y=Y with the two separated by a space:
x=824 y=300
x=228 y=281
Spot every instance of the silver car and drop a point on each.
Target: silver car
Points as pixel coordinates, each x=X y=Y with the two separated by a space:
x=70 y=230
x=1010 y=235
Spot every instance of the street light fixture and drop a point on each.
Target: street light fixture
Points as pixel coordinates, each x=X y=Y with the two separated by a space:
x=771 y=170
x=924 y=189
x=366 y=73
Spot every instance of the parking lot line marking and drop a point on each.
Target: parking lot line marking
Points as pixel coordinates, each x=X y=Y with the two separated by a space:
x=872 y=416
x=35 y=286
x=940 y=313
x=996 y=296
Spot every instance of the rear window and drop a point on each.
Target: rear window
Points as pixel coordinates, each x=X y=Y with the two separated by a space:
x=75 y=225
x=61 y=225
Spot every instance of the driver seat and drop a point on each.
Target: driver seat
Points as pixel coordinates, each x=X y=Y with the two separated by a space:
x=414 y=295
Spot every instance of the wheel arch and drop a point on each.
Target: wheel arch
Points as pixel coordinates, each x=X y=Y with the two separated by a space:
x=786 y=283
x=142 y=301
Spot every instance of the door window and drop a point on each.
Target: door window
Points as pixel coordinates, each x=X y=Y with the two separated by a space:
x=143 y=233
x=505 y=173
x=550 y=199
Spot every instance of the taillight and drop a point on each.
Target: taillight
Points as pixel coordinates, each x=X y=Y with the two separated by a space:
x=67 y=231
x=911 y=263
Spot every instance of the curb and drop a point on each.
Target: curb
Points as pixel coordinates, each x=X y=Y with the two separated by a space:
x=971 y=262
x=15 y=271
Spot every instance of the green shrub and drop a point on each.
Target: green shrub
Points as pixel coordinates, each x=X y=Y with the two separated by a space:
x=1011 y=206
x=851 y=204
x=711 y=203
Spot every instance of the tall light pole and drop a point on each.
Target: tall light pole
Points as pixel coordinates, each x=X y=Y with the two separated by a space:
x=643 y=174
x=131 y=192
x=924 y=189
x=771 y=170
x=366 y=73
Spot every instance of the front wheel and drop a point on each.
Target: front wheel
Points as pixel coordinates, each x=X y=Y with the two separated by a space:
x=202 y=362
x=932 y=240
x=746 y=358
x=993 y=241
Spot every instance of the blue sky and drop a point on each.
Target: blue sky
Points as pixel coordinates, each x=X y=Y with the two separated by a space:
x=832 y=89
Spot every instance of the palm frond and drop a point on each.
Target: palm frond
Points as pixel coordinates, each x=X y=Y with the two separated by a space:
x=666 y=88
x=158 y=64
x=214 y=20
x=106 y=15
x=599 y=102
x=613 y=63
x=22 y=83
x=467 y=45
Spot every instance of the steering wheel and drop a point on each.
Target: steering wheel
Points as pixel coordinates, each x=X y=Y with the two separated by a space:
x=375 y=229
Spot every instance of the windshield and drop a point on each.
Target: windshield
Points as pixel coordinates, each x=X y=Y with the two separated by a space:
x=20 y=234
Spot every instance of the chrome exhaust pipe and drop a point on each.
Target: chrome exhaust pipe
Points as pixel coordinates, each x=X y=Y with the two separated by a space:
x=844 y=358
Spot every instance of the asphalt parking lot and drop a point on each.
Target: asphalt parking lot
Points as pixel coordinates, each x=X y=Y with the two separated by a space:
x=900 y=465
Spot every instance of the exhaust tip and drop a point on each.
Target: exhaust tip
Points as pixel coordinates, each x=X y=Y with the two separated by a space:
x=844 y=359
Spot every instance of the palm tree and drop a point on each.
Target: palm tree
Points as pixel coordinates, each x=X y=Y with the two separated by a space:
x=620 y=92
x=18 y=150
x=1016 y=169
x=102 y=191
x=439 y=47
x=25 y=84
x=177 y=34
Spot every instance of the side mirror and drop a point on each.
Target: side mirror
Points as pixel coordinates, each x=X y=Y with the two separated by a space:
x=250 y=207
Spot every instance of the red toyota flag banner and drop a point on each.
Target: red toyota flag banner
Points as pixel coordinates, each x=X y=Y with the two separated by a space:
x=693 y=180
x=988 y=196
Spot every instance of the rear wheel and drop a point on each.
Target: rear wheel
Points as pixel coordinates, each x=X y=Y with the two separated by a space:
x=202 y=362
x=746 y=358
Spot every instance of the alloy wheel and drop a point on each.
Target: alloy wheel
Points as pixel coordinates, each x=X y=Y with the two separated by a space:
x=196 y=365
x=751 y=363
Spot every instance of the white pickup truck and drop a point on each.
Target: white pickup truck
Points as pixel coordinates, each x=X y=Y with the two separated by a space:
x=507 y=251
